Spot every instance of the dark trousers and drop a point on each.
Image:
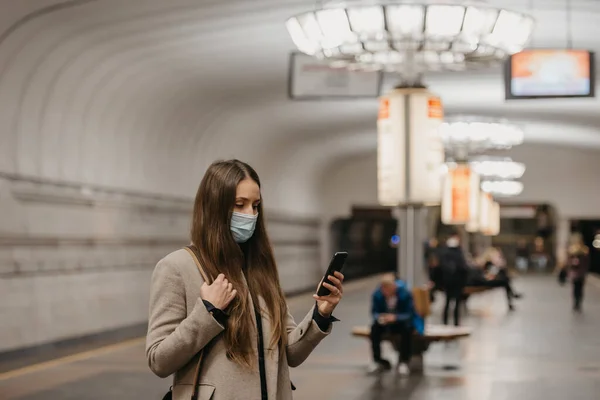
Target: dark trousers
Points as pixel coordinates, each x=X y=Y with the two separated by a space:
x=504 y=283
x=507 y=283
x=435 y=288
x=405 y=331
x=578 y=285
x=453 y=295
x=499 y=282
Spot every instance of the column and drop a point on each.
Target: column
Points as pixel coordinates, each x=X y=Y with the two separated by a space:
x=410 y=154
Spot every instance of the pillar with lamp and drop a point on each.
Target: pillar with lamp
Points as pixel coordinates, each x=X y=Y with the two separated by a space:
x=409 y=39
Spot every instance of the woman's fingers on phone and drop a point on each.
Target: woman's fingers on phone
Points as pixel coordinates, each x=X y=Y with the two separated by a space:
x=331 y=288
x=335 y=280
x=337 y=283
x=339 y=275
x=322 y=298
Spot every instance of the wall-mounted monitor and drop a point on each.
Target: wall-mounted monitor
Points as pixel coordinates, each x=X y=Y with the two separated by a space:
x=312 y=79
x=539 y=74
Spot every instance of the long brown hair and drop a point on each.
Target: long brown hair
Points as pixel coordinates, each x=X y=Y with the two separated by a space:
x=219 y=253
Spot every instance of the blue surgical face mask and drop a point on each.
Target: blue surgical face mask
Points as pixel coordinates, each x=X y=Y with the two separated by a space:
x=242 y=226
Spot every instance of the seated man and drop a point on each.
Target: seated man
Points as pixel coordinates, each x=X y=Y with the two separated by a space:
x=393 y=312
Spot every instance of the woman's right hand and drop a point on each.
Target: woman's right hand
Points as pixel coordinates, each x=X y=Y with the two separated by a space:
x=220 y=293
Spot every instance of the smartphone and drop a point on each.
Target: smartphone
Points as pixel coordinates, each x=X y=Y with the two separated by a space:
x=336 y=265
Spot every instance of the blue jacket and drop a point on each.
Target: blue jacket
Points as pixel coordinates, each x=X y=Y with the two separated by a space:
x=405 y=310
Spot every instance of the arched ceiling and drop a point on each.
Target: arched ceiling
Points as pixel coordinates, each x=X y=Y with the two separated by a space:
x=143 y=94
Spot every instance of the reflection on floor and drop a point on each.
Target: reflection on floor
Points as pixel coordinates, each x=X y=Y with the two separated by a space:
x=542 y=351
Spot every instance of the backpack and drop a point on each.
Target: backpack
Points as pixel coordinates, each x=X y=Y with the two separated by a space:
x=452 y=271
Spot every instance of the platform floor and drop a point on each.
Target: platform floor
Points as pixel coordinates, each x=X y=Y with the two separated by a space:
x=542 y=351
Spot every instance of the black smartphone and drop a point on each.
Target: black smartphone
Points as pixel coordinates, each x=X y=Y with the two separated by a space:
x=336 y=265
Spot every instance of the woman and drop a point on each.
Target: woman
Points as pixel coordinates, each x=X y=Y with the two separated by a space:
x=578 y=263
x=494 y=273
x=242 y=314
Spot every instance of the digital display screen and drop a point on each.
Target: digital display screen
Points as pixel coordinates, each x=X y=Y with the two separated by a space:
x=550 y=74
x=313 y=79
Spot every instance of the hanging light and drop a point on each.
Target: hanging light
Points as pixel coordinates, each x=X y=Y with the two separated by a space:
x=389 y=35
x=497 y=168
x=502 y=188
x=466 y=135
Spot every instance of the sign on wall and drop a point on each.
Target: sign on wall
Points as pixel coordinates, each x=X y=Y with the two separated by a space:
x=424 y=156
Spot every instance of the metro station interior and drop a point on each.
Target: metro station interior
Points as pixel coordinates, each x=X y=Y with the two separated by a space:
x=383 y=129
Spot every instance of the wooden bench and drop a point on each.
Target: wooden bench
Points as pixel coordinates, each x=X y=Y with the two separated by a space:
x=469 y=290
x=420 y=344
x=433 y=333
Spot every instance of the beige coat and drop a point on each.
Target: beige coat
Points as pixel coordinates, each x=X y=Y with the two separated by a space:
x=180 y=326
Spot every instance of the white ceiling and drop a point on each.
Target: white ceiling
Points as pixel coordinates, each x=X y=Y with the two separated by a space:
x=157 y=88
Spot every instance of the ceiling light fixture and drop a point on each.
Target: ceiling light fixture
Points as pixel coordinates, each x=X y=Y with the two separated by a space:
x=463 y=136
x=502 y=188
x=399 y=36
x=497 y=168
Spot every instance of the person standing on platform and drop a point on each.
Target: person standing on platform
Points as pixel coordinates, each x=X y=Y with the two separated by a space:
x=578 y=264
x=455 y=273
x=393 y=313
x=218 y=318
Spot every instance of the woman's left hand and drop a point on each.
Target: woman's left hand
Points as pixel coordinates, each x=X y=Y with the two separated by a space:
x=326 y=304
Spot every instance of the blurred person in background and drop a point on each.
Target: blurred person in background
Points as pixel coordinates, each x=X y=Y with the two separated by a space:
x=491 y=271
x=432 y=259
x=578 y=264
x=539 y=258
x=455 y=273
x=497 y=270
x=393 y=313
x=432 y=252
x=543 y=222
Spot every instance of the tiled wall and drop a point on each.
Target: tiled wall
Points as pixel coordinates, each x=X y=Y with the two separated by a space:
x=76 y=261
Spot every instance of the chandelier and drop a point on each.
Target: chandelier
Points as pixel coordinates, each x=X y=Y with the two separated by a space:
x=502 y=188
x=497 y=168
x=396 y=36
x=466 y=135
